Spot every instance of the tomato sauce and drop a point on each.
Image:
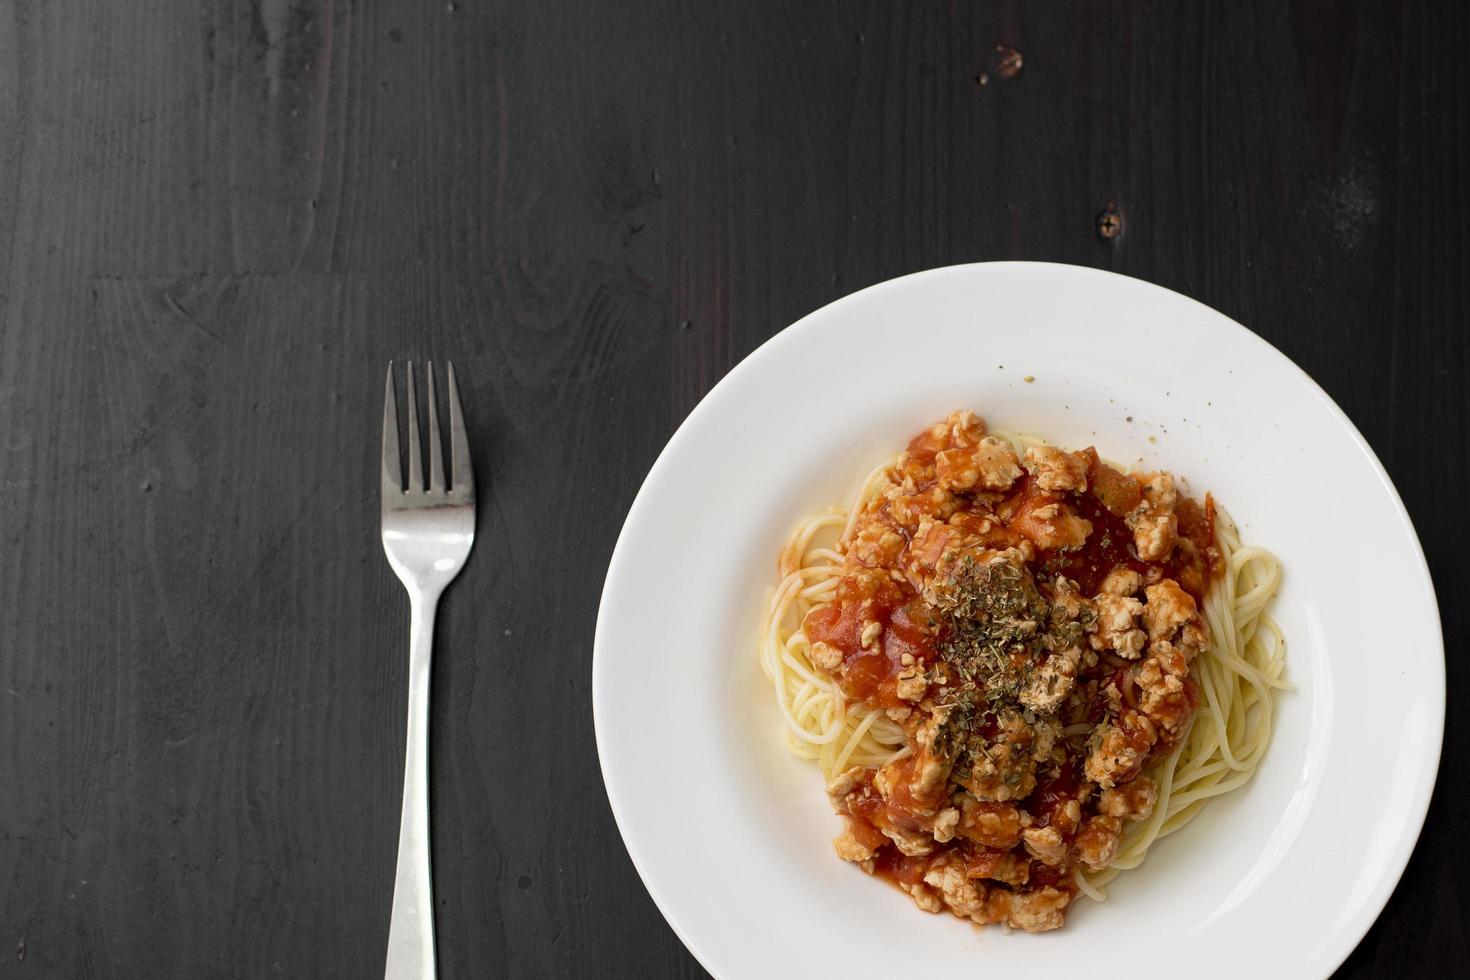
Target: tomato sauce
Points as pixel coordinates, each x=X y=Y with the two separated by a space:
x=899 y=868
x=871 y=674
x=900 y=810
x=1046 y=876
x=1110 y=496
x=1053 y=794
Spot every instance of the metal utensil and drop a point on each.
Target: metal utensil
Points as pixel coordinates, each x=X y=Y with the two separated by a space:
x=427 y=534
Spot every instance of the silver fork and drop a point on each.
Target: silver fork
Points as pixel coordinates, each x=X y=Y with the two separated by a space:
x=427 y=534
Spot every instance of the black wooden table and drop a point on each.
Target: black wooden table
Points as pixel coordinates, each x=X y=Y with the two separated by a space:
x=220 y=220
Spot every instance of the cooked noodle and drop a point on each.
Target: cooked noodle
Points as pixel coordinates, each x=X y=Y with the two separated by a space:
x=1237 y=676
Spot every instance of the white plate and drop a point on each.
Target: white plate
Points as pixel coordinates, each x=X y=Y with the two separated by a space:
x=731 y=834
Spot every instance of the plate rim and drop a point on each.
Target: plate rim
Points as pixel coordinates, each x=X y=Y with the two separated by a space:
x=1388 y=882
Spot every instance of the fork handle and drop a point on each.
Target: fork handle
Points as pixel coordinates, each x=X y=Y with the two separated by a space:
x=411 y=929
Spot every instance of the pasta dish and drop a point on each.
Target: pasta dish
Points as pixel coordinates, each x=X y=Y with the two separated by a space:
x=1019 y=666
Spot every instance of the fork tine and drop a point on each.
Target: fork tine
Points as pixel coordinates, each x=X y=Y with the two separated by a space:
x=415 y=481
x=459 y=444
x=392 y=473
x=436 y=447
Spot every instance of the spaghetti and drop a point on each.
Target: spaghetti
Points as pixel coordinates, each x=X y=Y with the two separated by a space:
x=1235 y=675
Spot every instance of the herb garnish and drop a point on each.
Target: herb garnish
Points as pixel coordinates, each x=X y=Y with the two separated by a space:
x=995 y=629
x=992 y=616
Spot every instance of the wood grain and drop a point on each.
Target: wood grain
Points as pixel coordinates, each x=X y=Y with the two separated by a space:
x=218 y=222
